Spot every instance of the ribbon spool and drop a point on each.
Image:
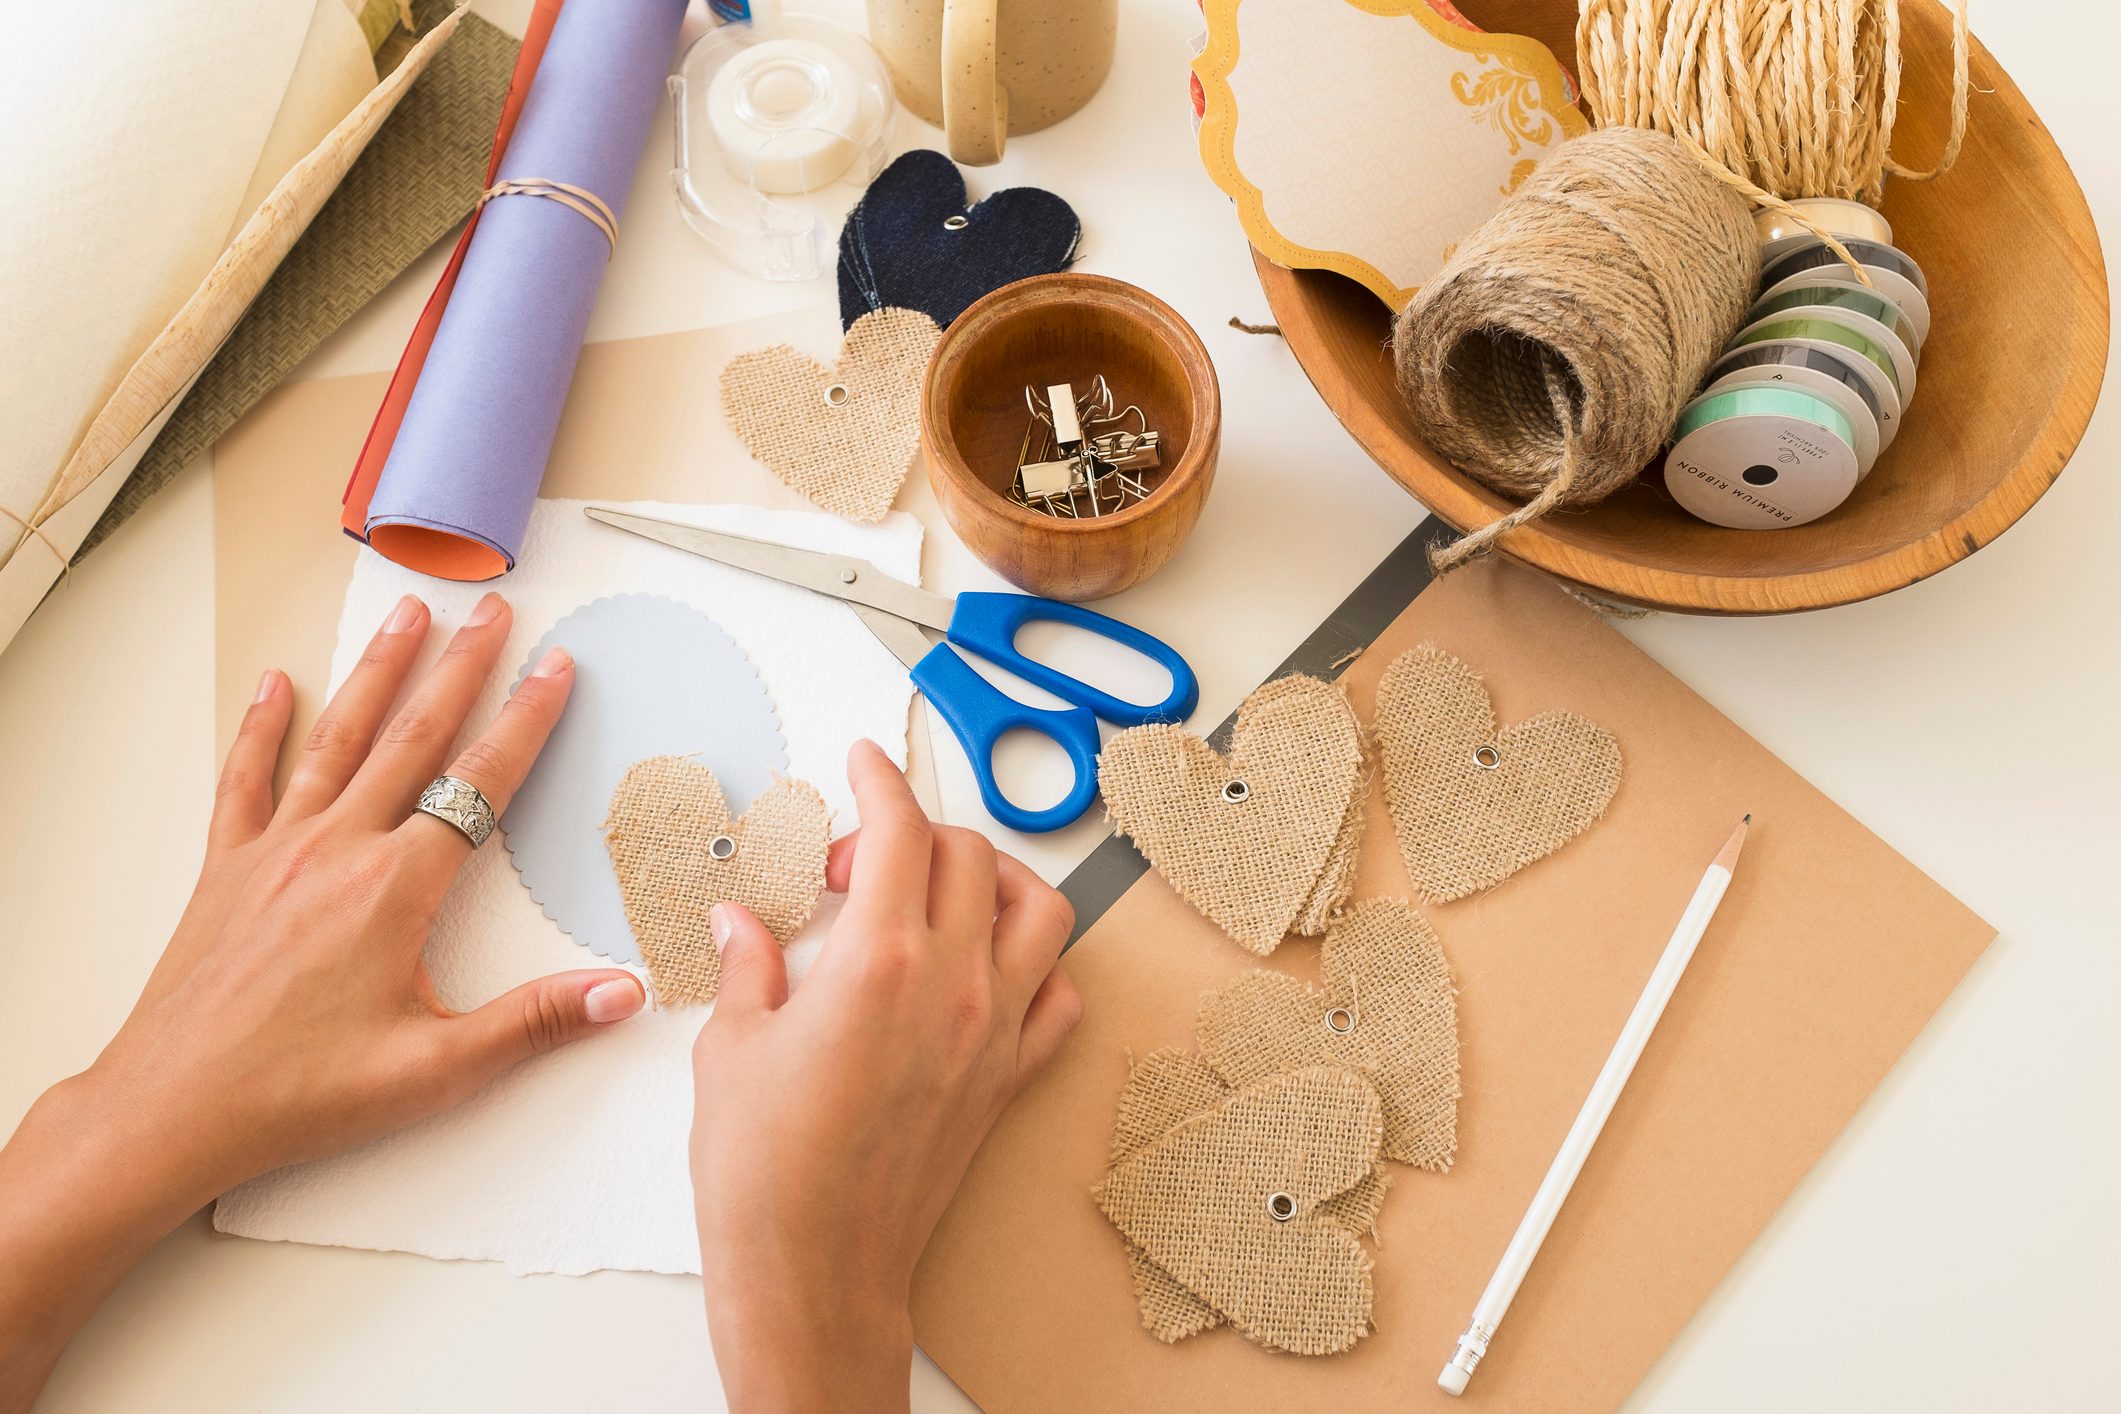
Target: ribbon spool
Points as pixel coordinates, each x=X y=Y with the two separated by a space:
x=1759 y=458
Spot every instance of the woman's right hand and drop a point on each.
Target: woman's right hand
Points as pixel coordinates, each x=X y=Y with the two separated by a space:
x=832 y=1128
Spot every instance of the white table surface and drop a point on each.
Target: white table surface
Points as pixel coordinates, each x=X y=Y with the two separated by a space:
x=1957 y=1249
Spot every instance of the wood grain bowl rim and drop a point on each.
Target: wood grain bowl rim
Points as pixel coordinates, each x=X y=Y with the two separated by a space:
x=1111 y=295
x=1464 y=505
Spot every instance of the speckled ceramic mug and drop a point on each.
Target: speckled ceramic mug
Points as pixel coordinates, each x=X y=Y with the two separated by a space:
x=982 y=69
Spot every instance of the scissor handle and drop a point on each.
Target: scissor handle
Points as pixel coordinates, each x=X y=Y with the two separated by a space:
x=981 y=714
x=988 y=624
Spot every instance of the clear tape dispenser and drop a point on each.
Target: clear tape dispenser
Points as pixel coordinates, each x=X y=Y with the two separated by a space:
x=781 y=121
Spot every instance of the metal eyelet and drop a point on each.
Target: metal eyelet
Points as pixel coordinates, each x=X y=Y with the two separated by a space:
x=1280 y=1207
x=722 y=847
x=1487 y=758
x=956 y=223
x=837 y=395
x=1237 y=792
x=1340 y=1021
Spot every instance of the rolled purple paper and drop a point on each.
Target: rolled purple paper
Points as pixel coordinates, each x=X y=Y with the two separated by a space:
x=456 y=492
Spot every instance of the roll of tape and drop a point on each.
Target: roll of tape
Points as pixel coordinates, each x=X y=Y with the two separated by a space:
x=784 y=113
x=1805 y=365
x=1862 y=301
x=1761 y=458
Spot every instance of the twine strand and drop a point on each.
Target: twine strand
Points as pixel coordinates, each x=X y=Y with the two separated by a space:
x=35 y=529
x=578 y=199
x=1780 y=98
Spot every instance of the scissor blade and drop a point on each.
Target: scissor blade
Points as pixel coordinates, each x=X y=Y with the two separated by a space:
x=902 y=636
x=841 y=576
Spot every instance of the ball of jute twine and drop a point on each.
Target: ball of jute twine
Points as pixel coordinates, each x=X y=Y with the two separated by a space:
x=1550 y=356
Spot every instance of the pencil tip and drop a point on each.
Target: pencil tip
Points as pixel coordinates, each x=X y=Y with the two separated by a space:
x=1748 y=818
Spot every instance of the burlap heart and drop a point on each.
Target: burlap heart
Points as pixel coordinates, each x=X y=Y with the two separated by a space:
x=1166 y=1087
x=1228 y=1203
x=677 y=854
x=1472 y=806
x=843 y=436
x=1388 y=1011
x=1262 y=841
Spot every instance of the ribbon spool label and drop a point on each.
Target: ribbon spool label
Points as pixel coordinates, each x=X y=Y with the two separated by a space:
x=1761 y=458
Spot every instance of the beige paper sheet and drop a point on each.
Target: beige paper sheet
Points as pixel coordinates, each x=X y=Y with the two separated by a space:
x=643 y=422
x=1830 y=953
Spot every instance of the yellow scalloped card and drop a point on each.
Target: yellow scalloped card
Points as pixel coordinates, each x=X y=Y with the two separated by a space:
x=1367 y=137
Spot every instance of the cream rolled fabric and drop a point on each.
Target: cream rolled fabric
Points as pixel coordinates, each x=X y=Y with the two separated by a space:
x=164 y=167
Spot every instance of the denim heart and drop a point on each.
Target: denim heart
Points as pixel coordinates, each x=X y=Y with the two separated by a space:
x=911 y=242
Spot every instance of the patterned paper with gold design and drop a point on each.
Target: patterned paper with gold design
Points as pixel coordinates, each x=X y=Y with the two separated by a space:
x=1367 y=137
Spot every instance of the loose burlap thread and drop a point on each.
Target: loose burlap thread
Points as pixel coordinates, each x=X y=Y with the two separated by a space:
x=665 y=815
x=1196 y=1203
x=1462 y=827
x=1550 y=357
x=1165 y=1088
x=1387 y=979
x=848 y=456
x=1279 y=860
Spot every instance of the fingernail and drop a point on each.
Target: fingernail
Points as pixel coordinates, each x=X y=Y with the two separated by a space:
x=721 y=923
x=553 y=663
x=611 y=1001
x=404 y=616
x=267 y=684
x=485 y=611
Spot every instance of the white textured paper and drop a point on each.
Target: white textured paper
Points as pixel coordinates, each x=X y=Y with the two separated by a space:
x=576 y=1161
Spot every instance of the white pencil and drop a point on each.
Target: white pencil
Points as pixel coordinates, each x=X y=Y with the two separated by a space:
x=1554 y=1190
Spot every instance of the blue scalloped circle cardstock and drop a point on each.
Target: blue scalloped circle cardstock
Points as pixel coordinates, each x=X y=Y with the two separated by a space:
x=911 y=242
x=653 y=677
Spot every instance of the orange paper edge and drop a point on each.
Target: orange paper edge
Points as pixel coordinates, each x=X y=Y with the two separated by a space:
x=436 y=554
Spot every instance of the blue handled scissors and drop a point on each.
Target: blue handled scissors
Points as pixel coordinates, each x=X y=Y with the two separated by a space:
x=986 y=625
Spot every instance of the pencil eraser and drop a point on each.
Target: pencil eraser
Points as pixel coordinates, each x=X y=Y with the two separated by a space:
x=1452 y=1380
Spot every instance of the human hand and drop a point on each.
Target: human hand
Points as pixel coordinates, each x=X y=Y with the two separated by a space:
x=291 y=1015
x=832 y=1128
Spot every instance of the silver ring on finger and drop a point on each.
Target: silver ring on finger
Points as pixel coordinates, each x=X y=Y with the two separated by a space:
x=459 y=802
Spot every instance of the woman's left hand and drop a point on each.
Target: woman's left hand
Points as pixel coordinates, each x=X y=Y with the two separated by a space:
x=291 y=1015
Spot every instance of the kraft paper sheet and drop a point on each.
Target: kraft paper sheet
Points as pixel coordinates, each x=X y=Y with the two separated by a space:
x=1830 y=953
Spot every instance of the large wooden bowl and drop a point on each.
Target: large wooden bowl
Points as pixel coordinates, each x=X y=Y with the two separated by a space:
x=2009 y=374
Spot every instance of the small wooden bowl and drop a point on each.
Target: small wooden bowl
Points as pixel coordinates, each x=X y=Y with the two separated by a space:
x=2009 y=374
x=1068 y=328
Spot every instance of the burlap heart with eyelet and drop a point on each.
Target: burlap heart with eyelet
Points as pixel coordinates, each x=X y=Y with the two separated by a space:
x=1196 y=1203
x=843 y=436
x=1282 y=857
x=1472 y=805
x=1165 y=1088
x=665 y=817
x=1388 y=1011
